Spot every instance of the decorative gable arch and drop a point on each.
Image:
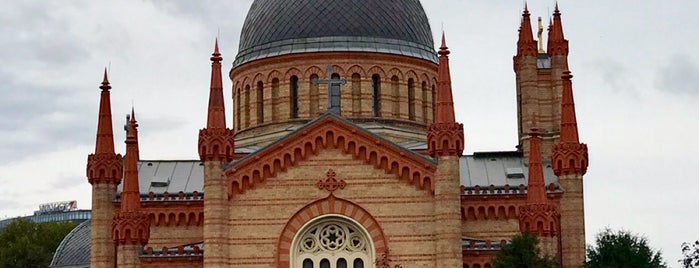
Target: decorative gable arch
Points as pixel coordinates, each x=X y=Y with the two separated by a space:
x=330 y=132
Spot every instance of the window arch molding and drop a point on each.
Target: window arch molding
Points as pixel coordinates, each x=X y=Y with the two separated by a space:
x=330 y=205
x=334 y=238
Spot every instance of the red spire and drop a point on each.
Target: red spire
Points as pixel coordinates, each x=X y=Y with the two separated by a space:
x=538 y=216
x=216 y=142
x=526 y=46
x=569 y=155
x=217 y=112
x=130 y=195
x=557 y=44
x=104 y=166
x=569 y=125
x=131 y=225
x=536 y=190
x=105 y=136
x=445 y=101
x=445 y=137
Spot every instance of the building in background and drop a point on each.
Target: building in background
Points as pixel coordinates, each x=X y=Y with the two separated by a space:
x=54 y=212
x=345 y=152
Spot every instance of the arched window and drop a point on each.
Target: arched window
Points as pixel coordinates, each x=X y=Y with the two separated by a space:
x=411 y=99
x=307 y=263
x=332 y=242
x=260 y=103
x=314 y=95
x=425 y=93
x=434 y=101
x=237 y=115
x=342 y=263
x=247 y=106
x=358 y=263
x=396 y=96
x=356 y=94
x=275 y=99
x=294 y=90
x=376 y=95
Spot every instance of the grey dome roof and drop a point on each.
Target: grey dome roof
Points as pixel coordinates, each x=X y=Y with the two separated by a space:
x=279 y=27
x=74 y=250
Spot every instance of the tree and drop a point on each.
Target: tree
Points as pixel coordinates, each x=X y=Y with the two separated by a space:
x=691 y=255
x=622 y=249
x=28 y=244
x=523 y=252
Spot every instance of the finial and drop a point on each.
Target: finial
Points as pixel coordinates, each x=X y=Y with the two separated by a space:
x=105 y=82
x=556 y=8
x=443 y=49
x=216 y=56
x=541 y=37
x=526 y=8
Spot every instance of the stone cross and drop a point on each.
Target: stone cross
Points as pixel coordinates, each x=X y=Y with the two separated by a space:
x=330 y=183
x=333 y=91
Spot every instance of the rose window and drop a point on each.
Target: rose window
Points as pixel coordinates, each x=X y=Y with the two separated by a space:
x=335 y=242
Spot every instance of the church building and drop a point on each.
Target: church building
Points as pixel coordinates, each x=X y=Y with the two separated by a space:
x=344 y=152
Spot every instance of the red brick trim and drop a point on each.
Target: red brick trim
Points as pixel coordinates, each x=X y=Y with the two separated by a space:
x=330 y=133
x=329 y=205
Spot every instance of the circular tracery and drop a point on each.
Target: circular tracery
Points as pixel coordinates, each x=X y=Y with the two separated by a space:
x=334 y=240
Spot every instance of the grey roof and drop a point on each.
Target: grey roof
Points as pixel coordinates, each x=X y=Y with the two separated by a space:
x=172 y=176
x=480 y=169
x=279 y=27
x=499 y=169
x=74 y=250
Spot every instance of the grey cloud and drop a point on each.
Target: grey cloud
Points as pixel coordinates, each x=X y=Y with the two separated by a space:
x=679 y=76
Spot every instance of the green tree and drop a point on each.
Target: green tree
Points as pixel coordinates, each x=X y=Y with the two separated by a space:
x=28 y=244
x=523 y=252
x=691 y=255
x=622 y=249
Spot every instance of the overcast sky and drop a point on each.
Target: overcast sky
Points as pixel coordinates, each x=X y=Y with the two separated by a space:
x=636 y=87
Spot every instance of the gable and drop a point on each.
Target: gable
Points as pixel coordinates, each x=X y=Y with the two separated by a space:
x=330 y=131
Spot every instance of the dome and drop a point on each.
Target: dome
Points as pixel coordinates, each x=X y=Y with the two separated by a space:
x=280 y=27
x=74 y=250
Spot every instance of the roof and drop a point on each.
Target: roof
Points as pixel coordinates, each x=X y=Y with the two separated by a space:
x=480 y=169
x=279 y=27
x=499 y=169
x=172 y=176
x=74 y=250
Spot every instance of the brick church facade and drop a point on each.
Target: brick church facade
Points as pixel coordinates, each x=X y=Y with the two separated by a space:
x=344 y=151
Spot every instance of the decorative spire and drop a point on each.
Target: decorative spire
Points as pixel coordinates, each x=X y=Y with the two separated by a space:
x=569 y=124
x=536 y=192
x=131 y=225
x=445 y=101
x=557 y=44
x=216 y=142
x=104 y=166
x=130 y=196
x=526 y=46
x=217 y=112
x=569 y=155
x=105 y=136
x=445 y=136
x=538 y=216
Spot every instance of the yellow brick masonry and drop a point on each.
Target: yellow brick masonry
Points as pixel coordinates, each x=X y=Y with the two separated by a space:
x=215 y=216
x=277 y=107
x=405 y=213
x=572 y=221
x=127 y=256
x=102 y=245
x=447 y=215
